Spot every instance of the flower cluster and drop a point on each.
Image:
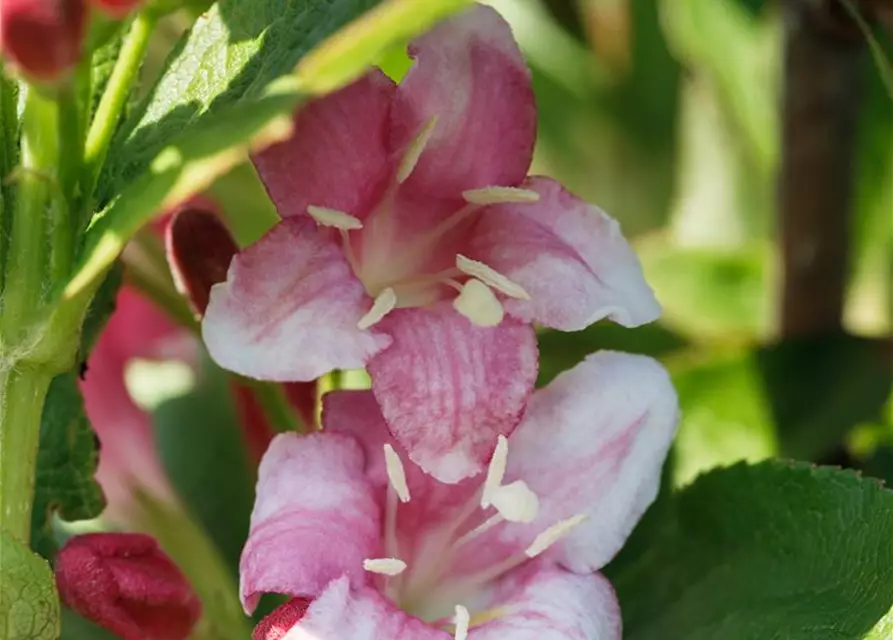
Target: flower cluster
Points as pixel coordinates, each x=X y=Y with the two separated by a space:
x=450 y=500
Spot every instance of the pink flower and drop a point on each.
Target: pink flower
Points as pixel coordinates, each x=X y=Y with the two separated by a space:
x=126 y=584
x=128 y=461
x=414 y=244
x=383 y=550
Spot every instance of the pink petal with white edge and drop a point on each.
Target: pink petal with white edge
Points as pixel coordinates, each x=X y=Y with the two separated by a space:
x=289 y=309
x=469 y=73
x=569 y=256
x=547 y=603
x=337 y=156
x=593 y=442
x=448 y=388
x=315 y=518
x=342 y=613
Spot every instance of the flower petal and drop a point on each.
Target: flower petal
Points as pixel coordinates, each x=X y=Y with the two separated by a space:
x=128 y=456
x=359 y=614
x=447 y=388
x=593 y=442
x=289 y=309
x=547 y=603
x=569 y=256
x=316 y=518
x=470 y=74
x=337 y=156
x=432 y=505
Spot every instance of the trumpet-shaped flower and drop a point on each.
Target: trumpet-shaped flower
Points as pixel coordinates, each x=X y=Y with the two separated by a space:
x=413 y=243
x=373 y=548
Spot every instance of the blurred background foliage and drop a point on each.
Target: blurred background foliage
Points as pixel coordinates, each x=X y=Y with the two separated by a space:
x=666 y=114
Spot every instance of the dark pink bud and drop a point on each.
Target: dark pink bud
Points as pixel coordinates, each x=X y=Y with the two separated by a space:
x=278 y=623
x=124 y=583
x=199 y=249
x=42 y=37
x=116 y=8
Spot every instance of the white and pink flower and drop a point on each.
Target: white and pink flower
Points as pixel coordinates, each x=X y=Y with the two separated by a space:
x=413 y=243
x=373 y=548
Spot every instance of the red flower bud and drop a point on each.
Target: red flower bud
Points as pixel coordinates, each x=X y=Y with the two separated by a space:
x=42 y=37
x=126 y=584
x=278 y=623
x=116 y=8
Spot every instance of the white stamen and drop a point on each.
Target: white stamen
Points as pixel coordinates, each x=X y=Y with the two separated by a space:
x=498 y=195
x=491 y=277
x=553 y=534
x=384 y=566
x=478 y=303
x=463 y=620
x=496 y=470
x=383 y=305
x=516 y=502
x=334 y=218
x=414 y=152
x=396 y=474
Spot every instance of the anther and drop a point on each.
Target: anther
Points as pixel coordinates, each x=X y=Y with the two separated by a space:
x=516 y=502
x=396 y=474
x=463 y=620
x=333 y=218
x=500 y=195
x=496 y=470
x=383 y=305
x=414 y=152
x=478 y=303
x=491 y=277
x=553 y=534
x=384 y=566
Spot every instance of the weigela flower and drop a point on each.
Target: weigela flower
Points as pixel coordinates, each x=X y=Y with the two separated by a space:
x=42 y=38
x=414 y=244
x=124 y=583
x=382 y=550
x=128 y=461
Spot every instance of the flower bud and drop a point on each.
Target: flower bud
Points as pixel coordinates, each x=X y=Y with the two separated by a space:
x=276 y=625
x=42 y=37
x=124 y=583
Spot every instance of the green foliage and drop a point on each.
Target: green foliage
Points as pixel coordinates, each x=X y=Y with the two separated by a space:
x=774 y=550
x=726 y=416
x=201 y=446
x=29 y=604
x=711 y=294
x=66 y=462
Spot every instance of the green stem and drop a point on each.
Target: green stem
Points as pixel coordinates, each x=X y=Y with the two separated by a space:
x=273 y=400
x=9 y=135
x=70 y=156
x=35 y=187
x=23 y=389
x=108 y=112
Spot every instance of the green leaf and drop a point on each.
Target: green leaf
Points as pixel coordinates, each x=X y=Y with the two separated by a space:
x=820 y=388
x=710 y=294
x=774 y=550
x=726 y=416
x=203 y=451
x=66 y=462
x=560 y=350
x=29 y=604
x=180 y=170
